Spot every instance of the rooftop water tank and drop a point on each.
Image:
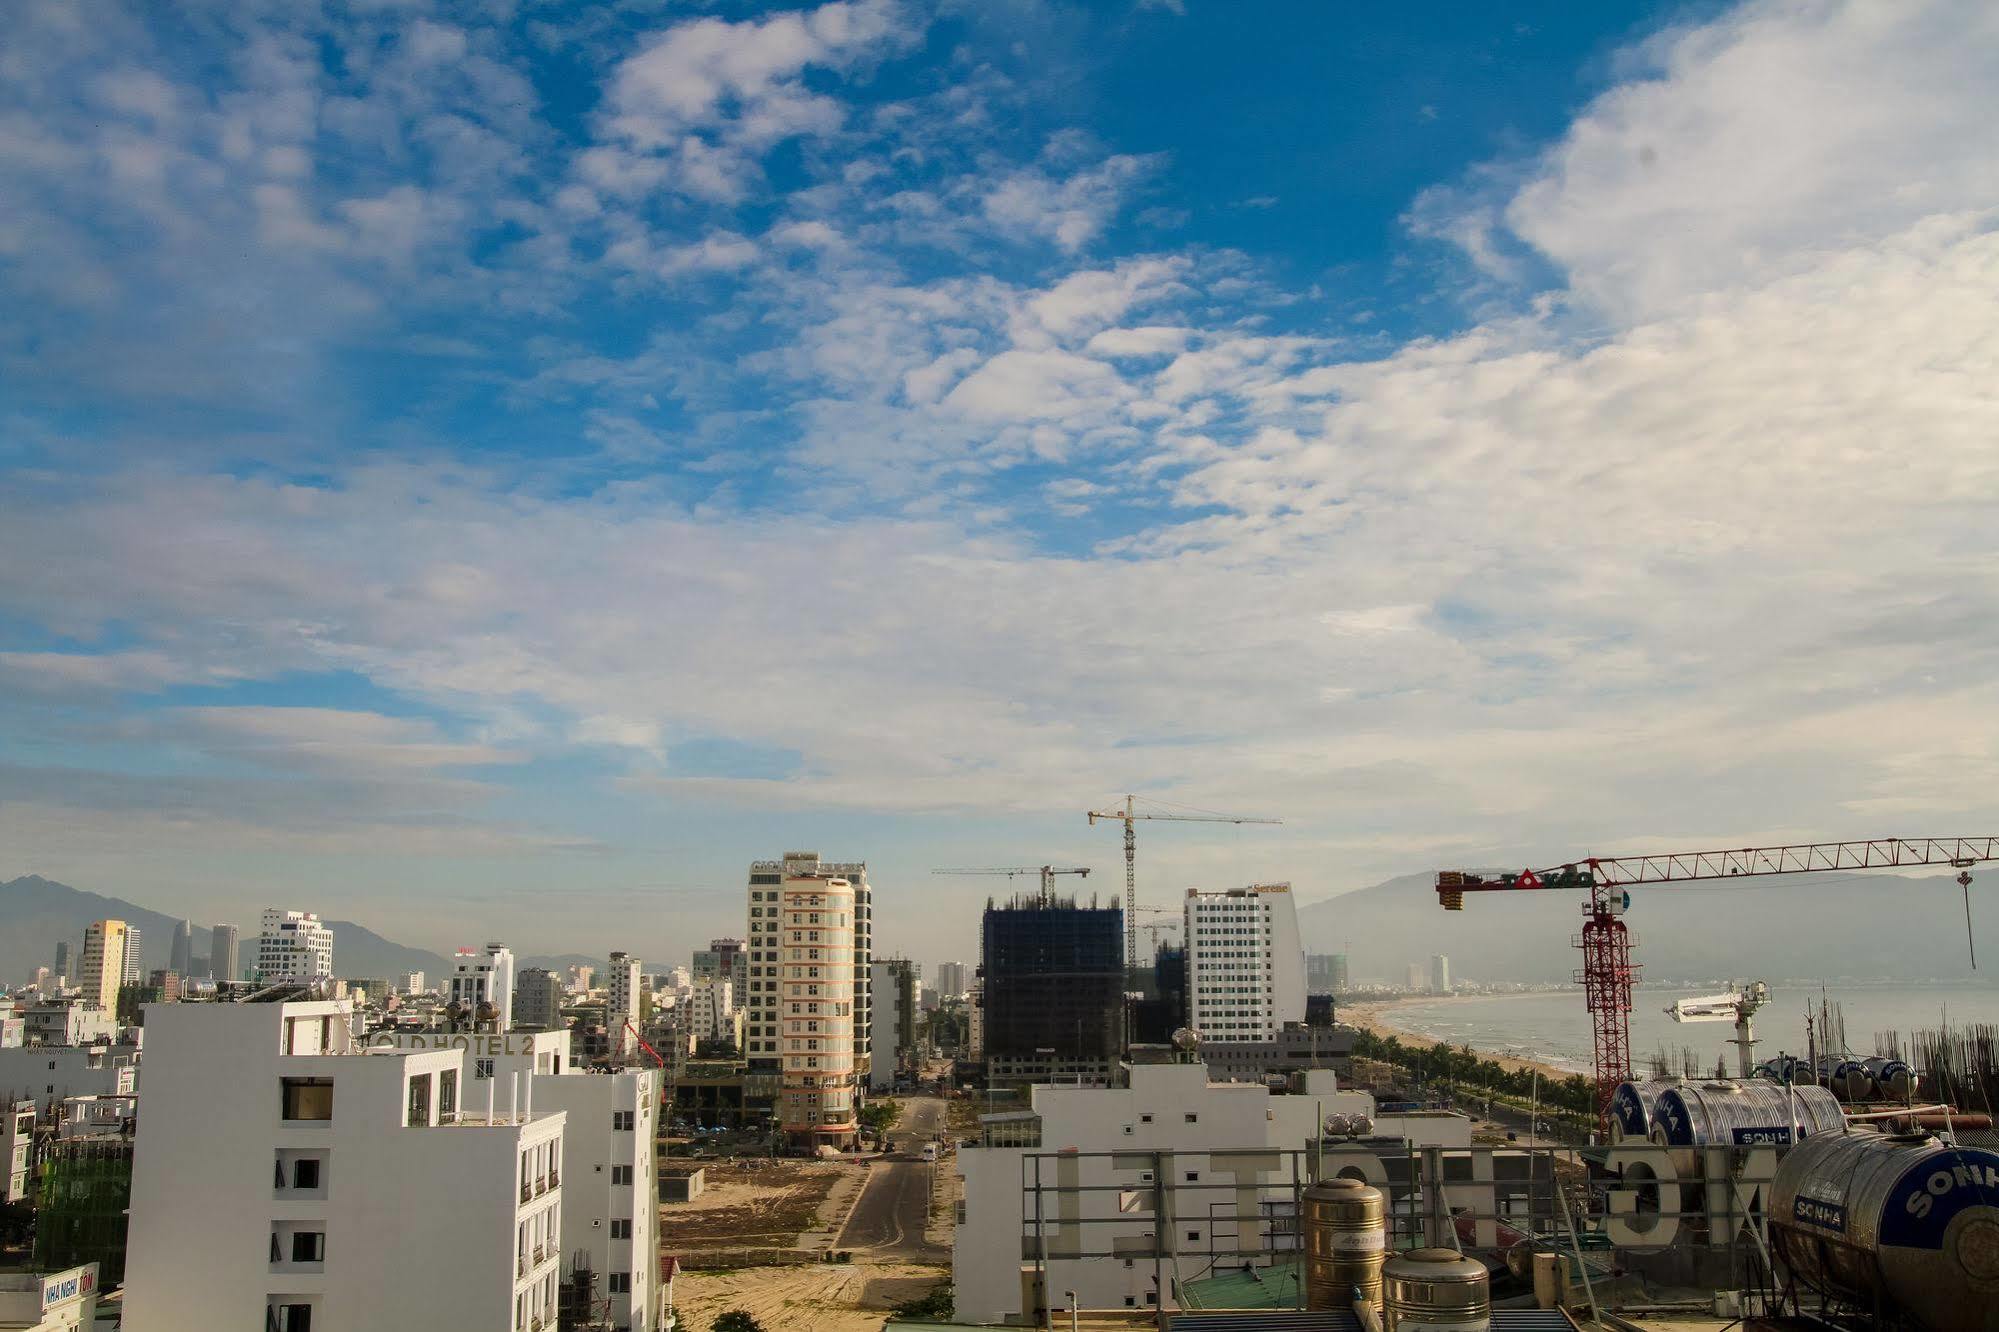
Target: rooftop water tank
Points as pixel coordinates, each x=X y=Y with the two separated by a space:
x=1429 y=1290
x=1345 y=1243
x=1632 y=1107
x=1756 y=1112
x=1893 y=1223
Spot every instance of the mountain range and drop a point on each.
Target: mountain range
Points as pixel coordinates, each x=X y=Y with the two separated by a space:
x=1819 y=926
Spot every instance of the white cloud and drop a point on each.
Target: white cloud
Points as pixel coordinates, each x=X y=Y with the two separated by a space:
x=1069 y=210
x=1743 y=148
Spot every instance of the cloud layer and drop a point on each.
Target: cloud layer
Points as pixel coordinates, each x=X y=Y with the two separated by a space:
x=769 y=386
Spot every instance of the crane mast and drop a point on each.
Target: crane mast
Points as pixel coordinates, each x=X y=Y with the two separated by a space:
x=1608 y=973
x=1129 y=816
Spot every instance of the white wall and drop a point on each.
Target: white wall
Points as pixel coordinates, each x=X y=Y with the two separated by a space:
x=47 y=1074
x=420 y=1222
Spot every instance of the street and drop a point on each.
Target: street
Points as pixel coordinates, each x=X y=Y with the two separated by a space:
x=894 y=1207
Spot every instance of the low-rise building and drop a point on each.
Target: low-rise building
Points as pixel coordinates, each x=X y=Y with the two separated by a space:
x=68 y=1022
x=17 y=1146
x=313 y=1161
x=49 y=1301
x=609 y=1218
x=1210 y=1168
x=537 y=1000
x=47 y=1075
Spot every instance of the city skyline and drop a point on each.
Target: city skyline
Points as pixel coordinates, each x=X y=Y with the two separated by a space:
x=489 y=478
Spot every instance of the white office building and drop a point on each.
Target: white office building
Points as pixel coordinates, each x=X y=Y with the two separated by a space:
x=1440 y=973
x=952 y=979
x=484 y=976
x=1245 y=963
x=609 y=1172
x=293 y=946
x=287 y=1178
x=708 y=1010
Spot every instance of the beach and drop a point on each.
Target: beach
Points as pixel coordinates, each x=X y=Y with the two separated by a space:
x=1379 y=1017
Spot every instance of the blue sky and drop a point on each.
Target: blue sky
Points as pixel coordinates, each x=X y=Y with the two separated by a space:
x=496 y=468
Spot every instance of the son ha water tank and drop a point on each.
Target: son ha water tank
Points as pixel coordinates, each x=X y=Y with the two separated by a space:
x=1901 y=1224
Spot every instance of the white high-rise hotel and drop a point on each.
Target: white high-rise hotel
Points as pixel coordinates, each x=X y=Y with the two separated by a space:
x=809 y=1016
x=293 y=946
x=1245 y=963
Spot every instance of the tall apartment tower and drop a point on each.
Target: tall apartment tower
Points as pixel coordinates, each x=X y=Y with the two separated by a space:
x=181 y=957
x=538 y=1000
x=1440 y=973
x=1245 y=965
x=63 y=967
x=293 y=946
x=760 y=995
x=622 y=983
x=1053 y=975
x=105 y=944
x=135 y=963
x=951 y=979
x=222 y=960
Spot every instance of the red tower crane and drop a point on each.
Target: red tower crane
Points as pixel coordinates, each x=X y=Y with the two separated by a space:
x=1607 y=972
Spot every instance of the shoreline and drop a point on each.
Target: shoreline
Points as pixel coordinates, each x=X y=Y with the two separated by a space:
x=1378 y=1016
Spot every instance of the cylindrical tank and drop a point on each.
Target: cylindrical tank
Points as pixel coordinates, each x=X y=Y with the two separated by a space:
x=1631 y=1108
x=1346 y=1239
x=1429 y=1290
x=1903 y=1222
x=1747 y=1113
x=1850 y=1080
x=1893 y=1079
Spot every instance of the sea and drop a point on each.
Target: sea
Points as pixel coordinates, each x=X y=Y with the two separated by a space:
x=1553 y=1027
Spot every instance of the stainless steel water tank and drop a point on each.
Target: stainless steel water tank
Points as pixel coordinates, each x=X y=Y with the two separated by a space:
x=1900 y=1223
x=1755 y=1112
x=1345 y=1242
x=1429 y=1289
x=1632 y=1107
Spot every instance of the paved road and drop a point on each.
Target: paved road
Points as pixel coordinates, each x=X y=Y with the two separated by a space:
x=894 y=1206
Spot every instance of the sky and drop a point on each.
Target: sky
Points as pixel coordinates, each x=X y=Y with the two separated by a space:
x=494 y=469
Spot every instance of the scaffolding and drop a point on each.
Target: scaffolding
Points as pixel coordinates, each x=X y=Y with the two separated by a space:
x=80 y=1207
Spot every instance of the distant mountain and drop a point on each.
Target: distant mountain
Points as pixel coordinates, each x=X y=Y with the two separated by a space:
x=559 y=961
x=1839 y=925
x=36 y=913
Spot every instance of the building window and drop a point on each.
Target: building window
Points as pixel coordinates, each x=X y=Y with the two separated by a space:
x=621 y=1228
x=308 y=1246
x=308 y=1098
x=1193 y=1237
x=1193 y=1177
x=419 y=1111
x=621 y=1174
x=447 y=1096
x=305 y=1172
x=1193 y=1118
x=1145 y=1119
x=291 y=1318
x=623 y=1120
x=619 y=1283
x=482 y=1068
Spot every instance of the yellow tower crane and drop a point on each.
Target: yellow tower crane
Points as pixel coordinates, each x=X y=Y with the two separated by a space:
x=1129 y=816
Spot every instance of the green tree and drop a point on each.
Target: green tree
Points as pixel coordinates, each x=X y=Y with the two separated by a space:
x=737 y=1320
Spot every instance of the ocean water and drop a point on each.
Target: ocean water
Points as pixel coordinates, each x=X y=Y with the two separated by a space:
x=1554 y=1027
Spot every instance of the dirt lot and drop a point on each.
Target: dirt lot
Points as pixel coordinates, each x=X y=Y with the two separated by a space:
x=749 y=1204
x=825 y=1297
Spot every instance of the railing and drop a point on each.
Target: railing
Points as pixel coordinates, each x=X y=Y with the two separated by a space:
x=555 y=1179
x=527 y=1190
x=541 y=1186
x=540 y=1255
x=521 y=1265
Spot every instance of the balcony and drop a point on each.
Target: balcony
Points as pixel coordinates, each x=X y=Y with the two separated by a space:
x=527 y=1190
x=541 y=1186
x=555 y=1179
x=521 y=1266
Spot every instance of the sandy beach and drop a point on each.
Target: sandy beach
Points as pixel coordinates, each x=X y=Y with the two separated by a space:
x=1378 y=1016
